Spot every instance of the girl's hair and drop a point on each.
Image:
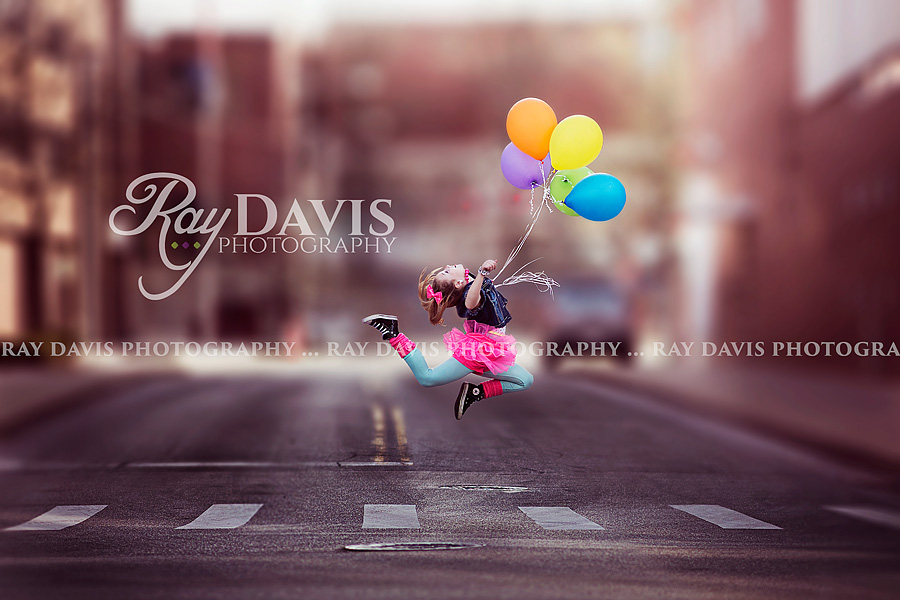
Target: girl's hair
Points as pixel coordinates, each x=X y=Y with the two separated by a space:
x=451 y=296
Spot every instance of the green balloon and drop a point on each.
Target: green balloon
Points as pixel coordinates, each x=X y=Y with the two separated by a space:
x=562 y=183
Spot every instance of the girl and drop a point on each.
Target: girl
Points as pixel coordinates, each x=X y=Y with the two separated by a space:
x=484 y=349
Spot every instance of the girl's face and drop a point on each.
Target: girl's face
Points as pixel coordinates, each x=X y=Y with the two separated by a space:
x=454 y=275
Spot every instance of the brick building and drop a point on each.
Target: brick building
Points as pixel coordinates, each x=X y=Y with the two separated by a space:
x=221 y=110
x=58 y=64
x=789 y=151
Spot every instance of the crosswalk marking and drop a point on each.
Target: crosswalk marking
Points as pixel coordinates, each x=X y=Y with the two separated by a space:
x=404 y=516
x=723 y=517
x=223 y=516
x=60 y=517
x=558 y=517
x=390 y=516
x=871 y=514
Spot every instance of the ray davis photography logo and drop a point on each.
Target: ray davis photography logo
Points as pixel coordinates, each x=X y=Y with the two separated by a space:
x=307 y=227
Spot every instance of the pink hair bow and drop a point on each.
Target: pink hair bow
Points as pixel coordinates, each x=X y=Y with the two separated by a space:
x=430 y=293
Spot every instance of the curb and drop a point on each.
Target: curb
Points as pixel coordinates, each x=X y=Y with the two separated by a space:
x=856 y=455
x=33 y=394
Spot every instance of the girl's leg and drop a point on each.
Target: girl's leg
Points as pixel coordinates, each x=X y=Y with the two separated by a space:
x=514 y=379
x=449 y=370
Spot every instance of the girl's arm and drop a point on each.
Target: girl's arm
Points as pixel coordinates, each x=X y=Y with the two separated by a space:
x=473 y=296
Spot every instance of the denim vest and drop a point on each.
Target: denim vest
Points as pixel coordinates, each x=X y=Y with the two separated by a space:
x=492 y=309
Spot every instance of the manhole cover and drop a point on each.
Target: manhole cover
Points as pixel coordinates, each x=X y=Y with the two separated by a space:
x=405 y=546
x=506 y=489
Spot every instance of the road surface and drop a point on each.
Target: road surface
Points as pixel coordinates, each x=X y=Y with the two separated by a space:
x=176 y=486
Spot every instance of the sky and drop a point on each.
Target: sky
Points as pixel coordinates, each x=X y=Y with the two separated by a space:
x=314 y=17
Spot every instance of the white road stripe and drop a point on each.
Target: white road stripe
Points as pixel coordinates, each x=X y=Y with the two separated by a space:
x=223 y=516
x=558 y=517
x=200 y=465
x=390 y=516
x=228 y=465
x=871 y=514
x=375 y=464
x=60 y=517
x=723 y=517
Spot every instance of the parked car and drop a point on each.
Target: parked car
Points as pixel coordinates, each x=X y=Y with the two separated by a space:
x=592 y=310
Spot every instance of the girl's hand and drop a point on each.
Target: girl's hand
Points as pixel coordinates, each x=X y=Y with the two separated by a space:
x=489 y=265
x=473 y=296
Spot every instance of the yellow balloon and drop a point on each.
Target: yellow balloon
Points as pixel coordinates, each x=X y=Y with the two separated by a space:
x=575 y=142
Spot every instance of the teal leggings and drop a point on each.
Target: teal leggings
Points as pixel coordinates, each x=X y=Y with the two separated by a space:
x=514 y=379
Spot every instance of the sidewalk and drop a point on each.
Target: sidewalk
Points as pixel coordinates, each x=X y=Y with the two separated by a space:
x=29 y=393
x=26 y=394
x=859 y=419
x=855 y=418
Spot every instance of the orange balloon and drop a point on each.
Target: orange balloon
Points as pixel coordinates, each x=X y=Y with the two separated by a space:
x=530 y=123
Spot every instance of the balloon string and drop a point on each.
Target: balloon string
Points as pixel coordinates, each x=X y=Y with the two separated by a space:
x=540 y=279
x=515 y=251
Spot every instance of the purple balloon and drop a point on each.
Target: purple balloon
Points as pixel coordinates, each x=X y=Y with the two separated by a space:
x=521 y=170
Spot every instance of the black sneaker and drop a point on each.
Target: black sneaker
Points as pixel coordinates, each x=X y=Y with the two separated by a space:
x=469 y=393
x=386 y=324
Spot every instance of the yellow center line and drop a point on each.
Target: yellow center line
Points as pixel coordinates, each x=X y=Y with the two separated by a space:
x=378 y=435
x=400 y=429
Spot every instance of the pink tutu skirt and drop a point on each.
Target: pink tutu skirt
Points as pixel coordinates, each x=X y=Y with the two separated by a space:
x=481 y=348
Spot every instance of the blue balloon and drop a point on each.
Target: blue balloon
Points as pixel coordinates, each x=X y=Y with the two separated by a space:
x=598 y=197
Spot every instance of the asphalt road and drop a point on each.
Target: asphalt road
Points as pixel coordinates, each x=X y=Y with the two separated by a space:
x=275 y=476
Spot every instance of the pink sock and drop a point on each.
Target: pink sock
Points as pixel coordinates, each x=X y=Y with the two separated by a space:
x=402 y=344
x=492 y=387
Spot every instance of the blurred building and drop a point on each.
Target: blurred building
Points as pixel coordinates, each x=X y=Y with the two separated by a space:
x=223 y=111
x=418 y=114
x=57 y=132
x=790 y=154
x=84 y=109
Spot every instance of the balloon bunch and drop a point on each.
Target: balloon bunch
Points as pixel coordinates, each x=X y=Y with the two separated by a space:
x=554 y=156
x=542 y=151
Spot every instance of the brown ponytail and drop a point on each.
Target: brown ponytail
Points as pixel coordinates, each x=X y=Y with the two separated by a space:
x=450 y=296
